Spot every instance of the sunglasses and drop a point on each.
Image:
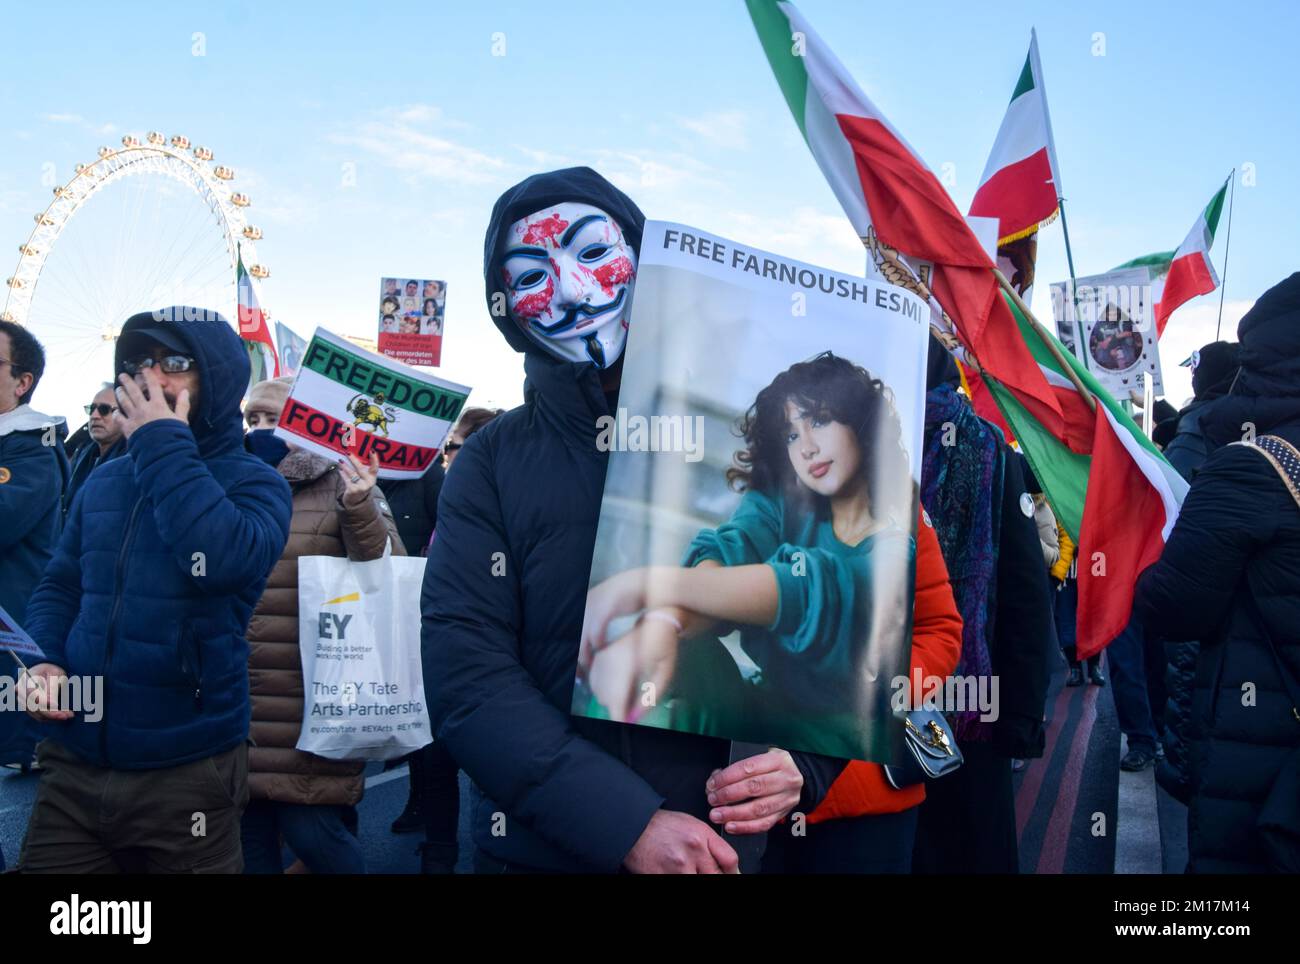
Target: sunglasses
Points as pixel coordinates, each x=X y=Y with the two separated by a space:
x=102 y=409
x=451 y=447
x=170 y=364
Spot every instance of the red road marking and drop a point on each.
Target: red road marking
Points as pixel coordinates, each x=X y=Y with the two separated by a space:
x=1027 y=796
x=1056 y=841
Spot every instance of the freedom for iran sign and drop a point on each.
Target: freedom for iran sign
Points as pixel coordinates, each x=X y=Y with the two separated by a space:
x=346 y=399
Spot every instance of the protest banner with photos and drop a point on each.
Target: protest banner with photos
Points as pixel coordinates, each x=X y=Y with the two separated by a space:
x=346 y=399
x=410 y=320
x=1113 y=329
x=763 y=403
x=15 y=639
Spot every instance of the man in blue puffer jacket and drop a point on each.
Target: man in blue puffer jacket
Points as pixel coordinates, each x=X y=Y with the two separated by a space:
x=165 y=554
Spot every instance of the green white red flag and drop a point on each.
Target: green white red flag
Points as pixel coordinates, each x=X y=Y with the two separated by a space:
x=254 y=329
x=1021 y=183
x=1187 y=272
x=893 y=199
x=1097 y=466
x=1109 y=485
x=1021 y=189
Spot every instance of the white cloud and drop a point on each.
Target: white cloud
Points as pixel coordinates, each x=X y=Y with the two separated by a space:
x=657 y=176
x=545 y=159
x=422 y=114
x=416 y=114
x=722 y=128
x=80 y=121
x=806 y=233
x=423 y=155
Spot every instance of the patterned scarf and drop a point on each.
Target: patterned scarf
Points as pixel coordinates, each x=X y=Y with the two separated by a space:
x=961 y=489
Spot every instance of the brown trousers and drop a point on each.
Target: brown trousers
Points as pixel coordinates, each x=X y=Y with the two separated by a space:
x=177 y=820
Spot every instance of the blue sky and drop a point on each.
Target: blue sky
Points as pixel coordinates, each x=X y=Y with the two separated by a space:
x=1152 y=105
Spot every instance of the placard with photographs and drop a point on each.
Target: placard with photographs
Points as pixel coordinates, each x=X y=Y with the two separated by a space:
x=1113 y=329
x=410 y=320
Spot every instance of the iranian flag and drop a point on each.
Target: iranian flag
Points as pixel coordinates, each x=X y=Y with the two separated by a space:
x=1187 y=272
x=1109 y=485
x=1021 y=184
x=1107 y=478
x=254 y=329
x=894 y=201
x=1021 y=189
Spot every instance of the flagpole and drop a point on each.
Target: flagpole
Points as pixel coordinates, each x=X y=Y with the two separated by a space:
x=1074 y=293
x=1227 y=246
x=1045 y=338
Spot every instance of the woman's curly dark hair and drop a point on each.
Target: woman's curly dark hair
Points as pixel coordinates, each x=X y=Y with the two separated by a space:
x=835 y=388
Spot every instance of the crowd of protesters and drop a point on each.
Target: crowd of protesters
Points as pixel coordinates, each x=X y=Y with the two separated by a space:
x=157 y=548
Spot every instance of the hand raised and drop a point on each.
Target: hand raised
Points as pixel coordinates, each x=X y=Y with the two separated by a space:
x=358 y=478
x=134 y=409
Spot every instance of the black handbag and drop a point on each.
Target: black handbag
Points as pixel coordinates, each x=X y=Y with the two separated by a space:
x=932 y=750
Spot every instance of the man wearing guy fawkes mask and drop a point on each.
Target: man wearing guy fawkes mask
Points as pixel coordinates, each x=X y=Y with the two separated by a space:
x=508 y=570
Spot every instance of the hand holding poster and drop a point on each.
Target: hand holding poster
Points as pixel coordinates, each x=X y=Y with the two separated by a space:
x=754 y=560
x=410 y=320
x=346 y=399
x=15 y=639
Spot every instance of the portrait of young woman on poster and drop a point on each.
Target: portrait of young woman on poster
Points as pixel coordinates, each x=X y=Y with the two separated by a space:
x=813 y=568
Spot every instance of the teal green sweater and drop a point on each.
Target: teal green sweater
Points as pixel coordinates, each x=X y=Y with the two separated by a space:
x=844 y=612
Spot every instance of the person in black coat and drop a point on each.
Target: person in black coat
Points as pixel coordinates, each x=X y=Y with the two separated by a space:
x=1230 y=574
x=967 y=823
x=106 y=442
x=507 y=577
x=1215 y=369
x=414 y=503
x=1186 y=446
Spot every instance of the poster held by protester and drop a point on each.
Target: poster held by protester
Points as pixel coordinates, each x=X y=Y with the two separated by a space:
x=15 y=639
x=754 y=560
x=1113 y=329
x=346 y=399
x=292 y=347
x=410 y=320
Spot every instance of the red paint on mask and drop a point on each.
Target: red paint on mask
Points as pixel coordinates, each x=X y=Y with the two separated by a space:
x=535 y=305
x=545 y=230
x=617 y=272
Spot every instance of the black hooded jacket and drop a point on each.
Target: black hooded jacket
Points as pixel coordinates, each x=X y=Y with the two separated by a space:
x=1187 y=446
x=503 y=602
x=1230 y=574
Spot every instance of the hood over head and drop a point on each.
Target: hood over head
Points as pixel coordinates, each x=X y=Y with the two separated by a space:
x=1216 y=368
x=575 y=184
x=940 y=367
x=221 y=360
x=1266 y=393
